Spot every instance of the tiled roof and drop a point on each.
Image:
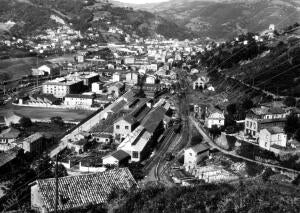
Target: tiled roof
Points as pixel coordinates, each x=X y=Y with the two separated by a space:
x=78 y=191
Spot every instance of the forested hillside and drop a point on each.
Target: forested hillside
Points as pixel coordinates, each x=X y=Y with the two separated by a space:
x=33 y=16
x=220 y=19
x=269 y=64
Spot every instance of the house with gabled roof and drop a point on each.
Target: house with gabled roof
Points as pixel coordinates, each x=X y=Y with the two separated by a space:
x=75 y=192
x=123 y=127
x=117 y=158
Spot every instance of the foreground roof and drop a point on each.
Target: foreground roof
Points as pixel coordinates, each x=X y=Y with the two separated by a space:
x=78 y=191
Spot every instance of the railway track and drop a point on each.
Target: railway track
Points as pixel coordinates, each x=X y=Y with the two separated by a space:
x=163 y=148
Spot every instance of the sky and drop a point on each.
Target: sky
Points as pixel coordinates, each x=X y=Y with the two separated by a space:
x=142 y=1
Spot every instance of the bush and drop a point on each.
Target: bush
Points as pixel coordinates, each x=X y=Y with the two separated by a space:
x=290 y=101
x=25 y=122
x=196 y=140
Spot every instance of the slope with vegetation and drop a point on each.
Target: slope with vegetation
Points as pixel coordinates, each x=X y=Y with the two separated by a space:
x=34 y=16
x=271 y=65
x=226 y=18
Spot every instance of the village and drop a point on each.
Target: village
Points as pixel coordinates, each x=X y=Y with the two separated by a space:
x=148 y=110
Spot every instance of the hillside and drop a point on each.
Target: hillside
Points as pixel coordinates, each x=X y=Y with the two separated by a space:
x=30 y=17
x=270 y=65
x=225 y=18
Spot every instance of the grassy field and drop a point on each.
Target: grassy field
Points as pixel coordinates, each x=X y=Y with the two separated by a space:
x=18 y=67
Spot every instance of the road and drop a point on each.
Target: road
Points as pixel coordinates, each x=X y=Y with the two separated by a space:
x=231 y=153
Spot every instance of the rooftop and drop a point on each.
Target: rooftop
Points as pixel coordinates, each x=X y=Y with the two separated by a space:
x=275 y=130
x=119 y=155
x=79 y=96
x=10 y=133
x=152 y=120
x=34 y=137
x=200 y=148
x=78 y=191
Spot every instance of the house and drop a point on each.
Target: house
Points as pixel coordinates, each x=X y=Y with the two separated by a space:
x=116 y=77
x=214 y=117
x=102 y=137
x=61 y=87
x=139 y=146
x=79 y=101
x=132 y=78
x=35 y=143
x=9 y=135
x=272 y=136
x=97 y=87
x=80 y=190
x=116 y=89
x=116 y=158
x=123 y=127
x=150 y=79
x=200 y=81
x=47 y=69
x=129 y=60
x=79 y=146
x=194 y=154
x=263 y=117
x=136 y=143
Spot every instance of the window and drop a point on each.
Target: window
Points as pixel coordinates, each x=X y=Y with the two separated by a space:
x=135 y=154
x=118 y=127
x=127 y=127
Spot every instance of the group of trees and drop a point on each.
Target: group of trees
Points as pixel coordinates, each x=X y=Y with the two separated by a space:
x=292 y=126
x=246 y=197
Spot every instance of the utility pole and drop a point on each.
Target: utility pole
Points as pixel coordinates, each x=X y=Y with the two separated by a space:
x=56 y=184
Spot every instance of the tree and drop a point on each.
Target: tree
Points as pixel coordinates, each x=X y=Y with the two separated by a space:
x=267 y=173
x=247 y=104
x=58 y=121
x=196 y=140
x=292 y=124
x=290 y=101
x=25 y=122
x=44 y=167
x=136 y=170
x=297 y=135
x=61 y=171
x=231 y=109
x=215 y=131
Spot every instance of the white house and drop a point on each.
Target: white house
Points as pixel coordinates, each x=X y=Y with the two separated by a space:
x=132 y=78
x=47 y=69
x=214 y=117
x=200 y=81
x=150 y=79
x=78 y=101
x=116 y=77
x=123 y=127
x=193 y=155
x=273 y=136
x=116 y=158
x=97 y=87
